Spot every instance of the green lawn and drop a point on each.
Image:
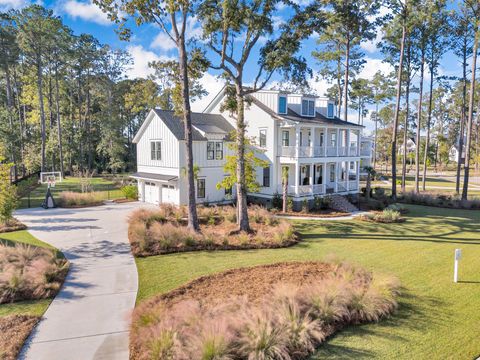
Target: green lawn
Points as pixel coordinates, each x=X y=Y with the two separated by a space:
x=106 y=187
x=34 y=307
x=437 y=319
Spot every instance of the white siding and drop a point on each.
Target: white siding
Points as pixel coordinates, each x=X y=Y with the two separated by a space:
x=157 y=130
x=267 y=98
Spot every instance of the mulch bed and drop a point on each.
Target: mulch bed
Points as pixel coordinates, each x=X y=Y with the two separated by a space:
x=14 y=330
x=253 y=282
x=326 y=214
x=80 y=206
x=121 y=201
x=13 y=225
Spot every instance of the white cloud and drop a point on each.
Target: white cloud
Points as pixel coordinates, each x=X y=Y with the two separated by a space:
x=163 y=42
x=372 y=66
x=85 y=10
x=212 y=85
x=6 y=5
x=371 y=46
x=141 y=58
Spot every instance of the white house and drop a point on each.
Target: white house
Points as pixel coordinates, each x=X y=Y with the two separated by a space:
x=454 y=153
x=300 y=132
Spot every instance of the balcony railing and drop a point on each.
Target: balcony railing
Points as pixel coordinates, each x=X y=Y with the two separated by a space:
x=342 y=151
x=353 y=150
x=304 y=190
x=331 y=151
x=318 y=151
x=365 y=152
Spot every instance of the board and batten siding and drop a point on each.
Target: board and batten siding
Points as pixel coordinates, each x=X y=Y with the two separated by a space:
x=157 y=130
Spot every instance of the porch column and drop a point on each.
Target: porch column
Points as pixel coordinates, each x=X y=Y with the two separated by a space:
x=312 y=175
x=359 y=140
x=297 y=177
x=347 y=164
x=338 y=140
x=142 y=187
x=336 y=174
x=357 y=170
x=324 y=177
x=314 y=140
x=297 y=140
x=348 y=143
x=325 y=141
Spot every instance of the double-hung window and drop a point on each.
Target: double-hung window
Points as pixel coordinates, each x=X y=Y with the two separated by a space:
x=156 y=150
x=285 y=138
x=266 y=176
x=308 y=107
x=214 y=150
x=201 y=188
x=263 y=138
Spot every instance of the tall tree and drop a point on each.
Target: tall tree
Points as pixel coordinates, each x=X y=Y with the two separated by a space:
x=348 y=24
x=37 y=27
x=437 y=44
x=231 y=31
x=172 y=17
x=474 y=7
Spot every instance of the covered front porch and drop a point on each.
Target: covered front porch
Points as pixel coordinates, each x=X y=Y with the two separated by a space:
x=321 y=178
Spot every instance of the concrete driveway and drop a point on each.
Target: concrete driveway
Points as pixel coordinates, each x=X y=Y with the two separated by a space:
x=89 y=318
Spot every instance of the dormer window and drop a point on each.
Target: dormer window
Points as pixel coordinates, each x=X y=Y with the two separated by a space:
x=330 y=110
x=282 y=104
x=308 y=107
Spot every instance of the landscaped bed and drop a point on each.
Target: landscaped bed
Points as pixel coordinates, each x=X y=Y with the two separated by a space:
x=28 y=274
x=279 y=311
x=12 y=225
x=164 y=230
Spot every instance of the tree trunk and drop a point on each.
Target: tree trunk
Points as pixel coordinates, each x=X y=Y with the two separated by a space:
x=429 y=120
x=419 y=123
x=59 y=125
x=375 y=137
x=397 y=114
x=42 y=111
x=285 y=191
x=405 y=129
x=243 y=222
x=347 y=70
x=187 y=121
x=463 y=116
x=470 y=116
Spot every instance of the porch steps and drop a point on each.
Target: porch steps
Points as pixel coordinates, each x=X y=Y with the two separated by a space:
x=340 y=203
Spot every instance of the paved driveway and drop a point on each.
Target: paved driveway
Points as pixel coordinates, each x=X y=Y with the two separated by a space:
x=89 y=318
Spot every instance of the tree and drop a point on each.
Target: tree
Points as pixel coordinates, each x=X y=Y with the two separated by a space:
x=172 y=17
x=37 y=28
x=437 y=43
x=370 y=175
x=349 y=23
x=8 y=194
x=361 y=95
x=475 y=14
x=402 y=11
x=285 y=171
x=231 y=31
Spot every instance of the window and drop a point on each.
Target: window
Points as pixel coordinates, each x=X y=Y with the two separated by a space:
x=263 y=138
x=200 y=188
x=282 y=104
x=332 y=172
x=214 y=150
x=285 y=138
x=308 y=107
x=333 y=140
x=156 y=150
x=219 y=150
x=266 y=176
x=330 y=110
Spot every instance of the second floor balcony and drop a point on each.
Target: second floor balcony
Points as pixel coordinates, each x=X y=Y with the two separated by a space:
x=317 y=151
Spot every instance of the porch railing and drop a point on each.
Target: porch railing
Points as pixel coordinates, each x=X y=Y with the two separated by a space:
x=331 y=151
x=353 y=185
x=341 y=186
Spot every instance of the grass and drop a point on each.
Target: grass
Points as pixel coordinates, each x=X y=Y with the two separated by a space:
x=24 y=237
x=104 y=188
x=436 y=319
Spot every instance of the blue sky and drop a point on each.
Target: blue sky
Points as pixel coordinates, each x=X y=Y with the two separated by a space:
x=149 y=43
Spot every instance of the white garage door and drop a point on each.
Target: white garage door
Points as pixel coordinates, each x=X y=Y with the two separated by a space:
x=151 y=193
x=168 y=194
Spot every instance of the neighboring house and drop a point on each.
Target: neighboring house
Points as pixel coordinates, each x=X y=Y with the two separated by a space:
x=454 y=153
x=366 y=154
x=300 y=132
x=411 y=147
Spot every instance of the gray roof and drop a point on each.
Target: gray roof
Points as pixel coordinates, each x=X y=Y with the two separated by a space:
x=150 y=176
x=292 y=115
x=209 y=123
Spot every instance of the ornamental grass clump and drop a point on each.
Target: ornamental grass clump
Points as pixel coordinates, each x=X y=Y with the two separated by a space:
x=387 y=216
x=288 y=322
x=75 y=199
x=164 y=230
x=28 y=273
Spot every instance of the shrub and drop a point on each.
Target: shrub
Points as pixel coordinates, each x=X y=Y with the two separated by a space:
x=398 y=207
x=130 y=192
x=28 y=273
x=8 y=195
x=305 y=207
x=439 y=200
x=386 y=216
x=277 y=201
x=72 y=199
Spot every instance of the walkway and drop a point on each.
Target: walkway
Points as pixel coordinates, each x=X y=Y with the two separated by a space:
x=89 y=318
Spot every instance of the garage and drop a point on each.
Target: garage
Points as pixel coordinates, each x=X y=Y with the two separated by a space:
x=151 y=193
x=169 y=194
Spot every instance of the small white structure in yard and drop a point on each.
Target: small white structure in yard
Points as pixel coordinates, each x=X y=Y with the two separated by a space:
x=300 y=132
x=454 y=153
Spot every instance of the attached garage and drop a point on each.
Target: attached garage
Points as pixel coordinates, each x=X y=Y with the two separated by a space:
x=156 y=188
